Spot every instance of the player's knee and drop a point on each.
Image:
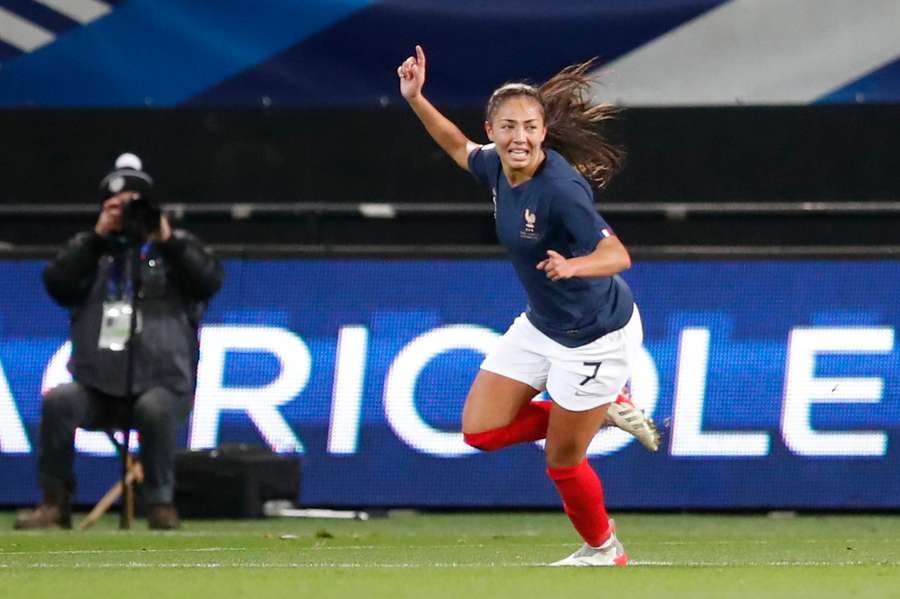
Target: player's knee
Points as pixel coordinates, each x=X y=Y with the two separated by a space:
x=564 y=455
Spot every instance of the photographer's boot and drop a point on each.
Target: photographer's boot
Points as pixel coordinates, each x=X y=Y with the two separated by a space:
x=53 y=512
x=163 y=516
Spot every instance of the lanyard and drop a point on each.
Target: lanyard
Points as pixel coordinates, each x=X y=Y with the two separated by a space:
x=119 y=284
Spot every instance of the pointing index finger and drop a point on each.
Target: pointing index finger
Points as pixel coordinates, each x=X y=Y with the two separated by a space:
x=420 y=55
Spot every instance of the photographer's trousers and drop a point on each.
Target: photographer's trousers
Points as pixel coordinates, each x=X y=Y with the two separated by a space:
x=157 y=415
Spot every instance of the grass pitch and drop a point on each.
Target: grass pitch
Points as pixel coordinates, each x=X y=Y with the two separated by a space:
x=459 y=556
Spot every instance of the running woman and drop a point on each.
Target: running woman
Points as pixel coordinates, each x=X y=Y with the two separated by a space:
x=581 y=330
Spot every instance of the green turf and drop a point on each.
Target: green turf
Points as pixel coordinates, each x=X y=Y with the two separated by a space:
x=449 y=555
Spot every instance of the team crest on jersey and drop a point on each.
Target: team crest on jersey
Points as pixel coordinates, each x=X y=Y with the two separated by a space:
x=530 y=230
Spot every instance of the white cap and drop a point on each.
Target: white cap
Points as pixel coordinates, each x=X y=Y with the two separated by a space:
x=129 y=160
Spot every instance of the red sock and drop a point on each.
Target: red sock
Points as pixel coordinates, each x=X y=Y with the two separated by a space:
x=582 y=497
x=530 y=424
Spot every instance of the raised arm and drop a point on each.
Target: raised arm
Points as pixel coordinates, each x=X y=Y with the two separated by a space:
x=442 y=130
x=197 y=271
x=69 y=276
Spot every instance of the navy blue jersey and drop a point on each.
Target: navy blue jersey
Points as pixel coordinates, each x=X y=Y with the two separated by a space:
x=555 y=211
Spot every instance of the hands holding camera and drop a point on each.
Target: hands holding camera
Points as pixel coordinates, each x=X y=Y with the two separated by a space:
x=110 y=220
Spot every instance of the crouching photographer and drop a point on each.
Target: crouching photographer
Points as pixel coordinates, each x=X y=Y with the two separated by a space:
x=136 y=291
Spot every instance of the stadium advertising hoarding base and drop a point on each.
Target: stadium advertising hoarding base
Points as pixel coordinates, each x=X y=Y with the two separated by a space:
x=778 y=381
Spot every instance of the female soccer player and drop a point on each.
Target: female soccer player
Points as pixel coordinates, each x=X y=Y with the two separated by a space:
x=581 y=329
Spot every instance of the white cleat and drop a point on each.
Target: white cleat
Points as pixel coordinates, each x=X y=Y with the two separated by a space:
x=611 y=553
x=631 y=419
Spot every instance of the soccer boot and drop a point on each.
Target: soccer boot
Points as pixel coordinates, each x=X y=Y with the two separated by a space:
x=611 y=553
x=625 y=415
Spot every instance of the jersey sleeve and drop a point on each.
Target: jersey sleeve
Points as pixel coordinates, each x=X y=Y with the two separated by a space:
x=484 y=163
x=574 y=207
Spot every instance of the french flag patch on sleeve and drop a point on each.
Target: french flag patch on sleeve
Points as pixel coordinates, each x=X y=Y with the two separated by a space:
x=606 y=232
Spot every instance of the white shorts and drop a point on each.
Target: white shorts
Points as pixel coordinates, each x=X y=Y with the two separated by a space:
x=577 y=378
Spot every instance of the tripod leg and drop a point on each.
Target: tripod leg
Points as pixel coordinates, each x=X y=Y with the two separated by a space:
x=135 y=474
x=126 y=513
x=128 y=498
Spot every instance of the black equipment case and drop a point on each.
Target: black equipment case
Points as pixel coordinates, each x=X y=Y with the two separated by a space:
x=233 y=481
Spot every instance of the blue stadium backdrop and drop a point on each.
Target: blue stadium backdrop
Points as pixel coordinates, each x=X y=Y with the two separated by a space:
x=779 y=381
x=164 y=53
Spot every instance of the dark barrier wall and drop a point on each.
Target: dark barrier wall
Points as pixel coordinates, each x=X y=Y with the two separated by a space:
x=817 y=153
x=779 y=381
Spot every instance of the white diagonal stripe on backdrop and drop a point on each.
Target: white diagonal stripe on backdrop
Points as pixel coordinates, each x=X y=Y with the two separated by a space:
x=758 y=52
x=22 y=34
x=83 y=11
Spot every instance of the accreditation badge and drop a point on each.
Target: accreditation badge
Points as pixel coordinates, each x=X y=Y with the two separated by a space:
x=115 y=328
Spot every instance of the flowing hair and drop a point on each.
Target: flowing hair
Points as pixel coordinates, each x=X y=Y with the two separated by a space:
x=572 y=123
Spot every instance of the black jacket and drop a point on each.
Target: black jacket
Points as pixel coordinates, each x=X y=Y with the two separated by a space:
x=177 y=278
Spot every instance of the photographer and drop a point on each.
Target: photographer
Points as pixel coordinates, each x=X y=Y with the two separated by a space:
x=132 y=262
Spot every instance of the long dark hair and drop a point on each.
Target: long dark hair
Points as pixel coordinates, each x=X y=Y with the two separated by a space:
x=572 y=123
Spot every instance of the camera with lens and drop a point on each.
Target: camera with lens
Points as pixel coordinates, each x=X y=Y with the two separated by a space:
x=140 y=218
